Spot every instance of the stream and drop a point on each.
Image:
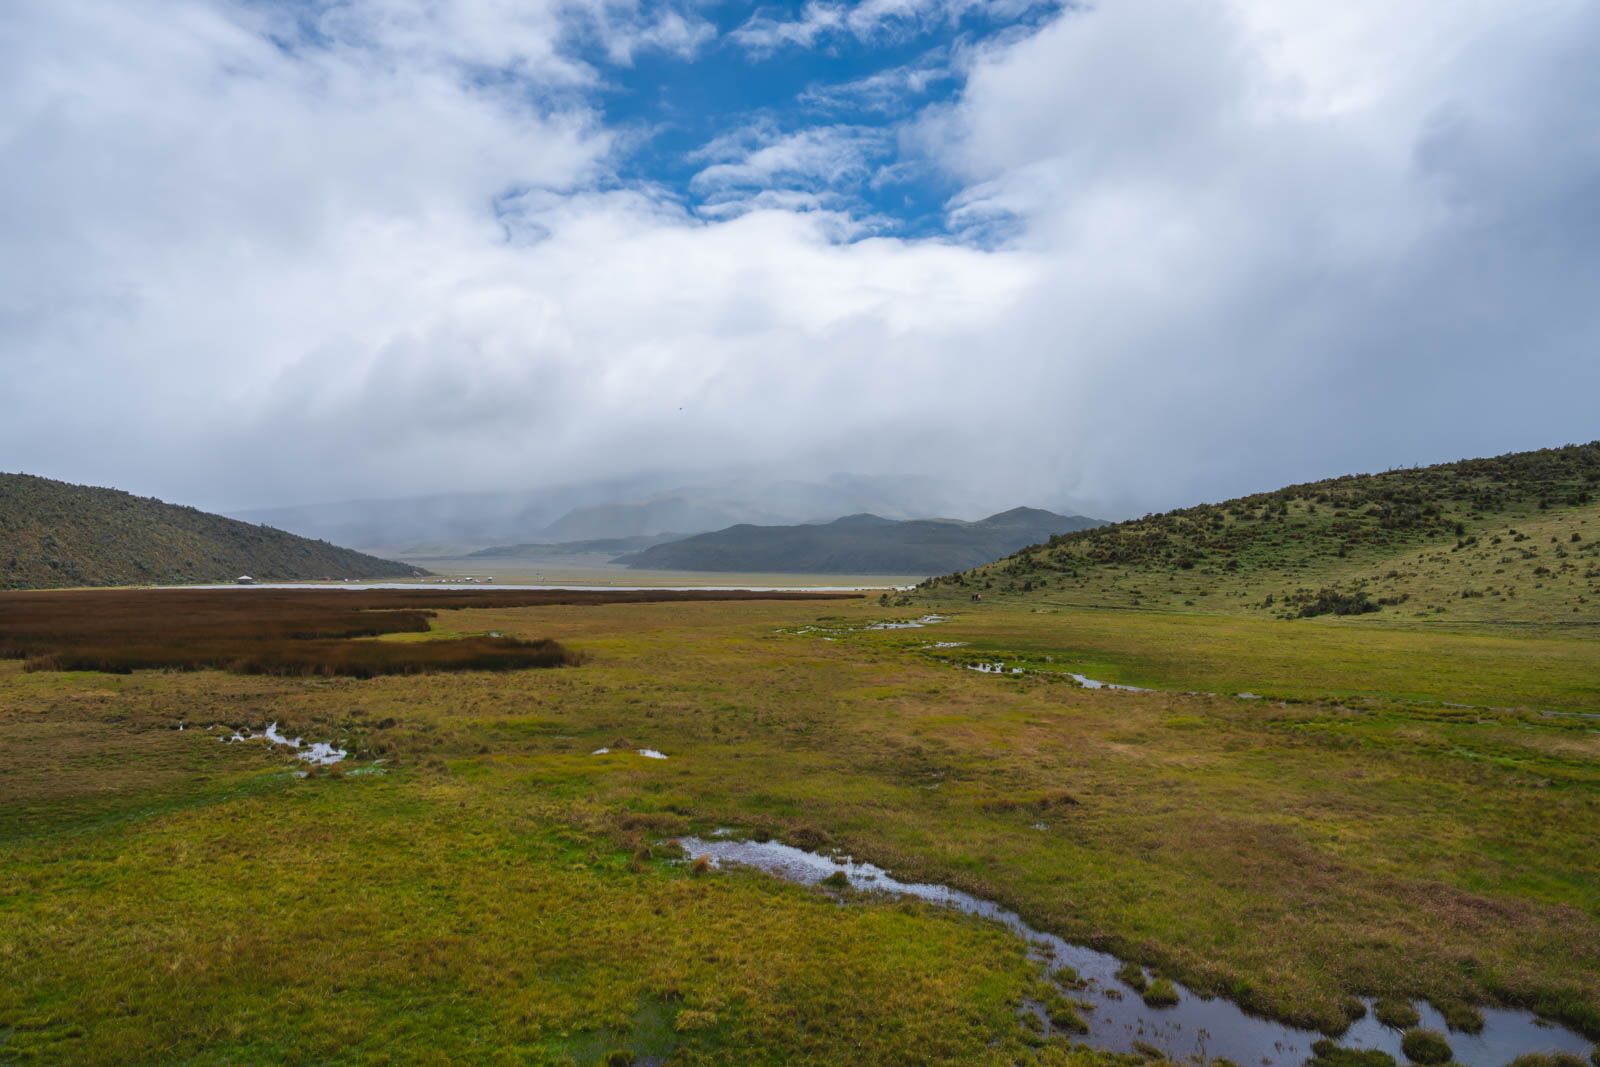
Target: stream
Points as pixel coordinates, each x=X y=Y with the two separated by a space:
x=1197 y=1028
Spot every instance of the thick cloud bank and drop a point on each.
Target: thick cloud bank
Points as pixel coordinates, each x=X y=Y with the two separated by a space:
x=255 y=253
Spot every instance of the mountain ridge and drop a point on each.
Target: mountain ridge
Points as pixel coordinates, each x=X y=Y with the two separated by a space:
x=861 y=543
x=56 y=534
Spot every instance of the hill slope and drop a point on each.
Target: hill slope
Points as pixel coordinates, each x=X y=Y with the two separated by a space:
x=57 y=534
x=1514 y=537
x=859 y=544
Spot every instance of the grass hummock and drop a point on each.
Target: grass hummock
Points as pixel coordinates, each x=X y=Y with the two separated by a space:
x=1161 y=994
x=1425 y=1046
x=1396 y=1014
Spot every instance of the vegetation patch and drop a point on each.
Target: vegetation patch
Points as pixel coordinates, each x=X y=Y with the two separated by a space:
x=1397 y=1014
x=286 y=632
x=1462 y=1018
x=1309 y=605
x=1161 y=994
x=1552 y=1059
x=1326 y=1053
x=1425 y=1046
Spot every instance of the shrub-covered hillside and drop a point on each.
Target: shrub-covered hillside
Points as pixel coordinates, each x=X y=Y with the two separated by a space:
x=1514 y=537
x=57 y=534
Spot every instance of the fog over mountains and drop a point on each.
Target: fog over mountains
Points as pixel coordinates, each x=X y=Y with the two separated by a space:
x=612 y=510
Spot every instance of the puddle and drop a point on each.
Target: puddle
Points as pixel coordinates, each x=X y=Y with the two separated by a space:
x=947 y=644
x=1195 y=1028
x=647 y=753
x=1082 y=679
x=1092 y=683
x=320 y=753
x=913 y=624
x=993 y=668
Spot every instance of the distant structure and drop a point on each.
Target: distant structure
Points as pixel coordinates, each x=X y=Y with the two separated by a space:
x=244 y=579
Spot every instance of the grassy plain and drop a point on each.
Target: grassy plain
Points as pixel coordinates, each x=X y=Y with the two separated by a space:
x=493 y=892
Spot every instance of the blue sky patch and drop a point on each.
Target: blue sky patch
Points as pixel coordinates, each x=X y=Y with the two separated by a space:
x=795 y=105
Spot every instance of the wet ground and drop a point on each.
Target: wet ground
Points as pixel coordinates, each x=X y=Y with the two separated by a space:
x=1195 y=1028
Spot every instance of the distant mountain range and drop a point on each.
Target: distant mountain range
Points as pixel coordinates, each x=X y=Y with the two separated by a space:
x=861 y=544
x=604 y=546
x=447 y=524
x=55 y=534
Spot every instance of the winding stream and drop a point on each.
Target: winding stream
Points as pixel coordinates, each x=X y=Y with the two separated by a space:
x=1196 y=1028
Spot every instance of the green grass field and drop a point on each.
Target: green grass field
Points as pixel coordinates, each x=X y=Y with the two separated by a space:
x=491 y=892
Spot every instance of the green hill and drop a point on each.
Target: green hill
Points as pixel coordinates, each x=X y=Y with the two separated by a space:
x=1511 y=538
x=859 y=544
x=56 y=534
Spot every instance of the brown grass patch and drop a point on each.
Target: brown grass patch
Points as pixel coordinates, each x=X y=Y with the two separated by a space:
x=287 y=632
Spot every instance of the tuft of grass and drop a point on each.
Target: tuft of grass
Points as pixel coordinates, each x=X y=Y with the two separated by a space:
x=1396 y=1014
x=1161 y=994
x=1133 y=975
x=1462 y=1017
x=1063 y=1015
x=1425 y=1046
x=1551 y=1059
x=1067 y=977
x=1326 y=1053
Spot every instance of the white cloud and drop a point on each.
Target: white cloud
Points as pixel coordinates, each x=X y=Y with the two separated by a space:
x=887 y=92
x=1258 y=249
x=870 y=20
x=1232 y=244
x=817 y=159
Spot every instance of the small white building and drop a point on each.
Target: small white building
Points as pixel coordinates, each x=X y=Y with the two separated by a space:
x=244 y=579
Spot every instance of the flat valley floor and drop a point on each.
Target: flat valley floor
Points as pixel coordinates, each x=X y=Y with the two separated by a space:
x=1392 y=809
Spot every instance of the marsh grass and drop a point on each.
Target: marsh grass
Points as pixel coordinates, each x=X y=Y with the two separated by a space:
x=1552 y=1059
x=1396 y=1014
x=1161 y=993
x=1133 y=975
x=499 y=894
x=1425 y=1046
x=1326 y=1053
x=287 y=632
x=1462 y=1018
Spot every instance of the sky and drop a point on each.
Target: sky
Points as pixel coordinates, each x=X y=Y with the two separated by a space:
x=1129 y=254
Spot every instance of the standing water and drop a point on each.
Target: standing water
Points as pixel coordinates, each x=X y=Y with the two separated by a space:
x=1195 y=1028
